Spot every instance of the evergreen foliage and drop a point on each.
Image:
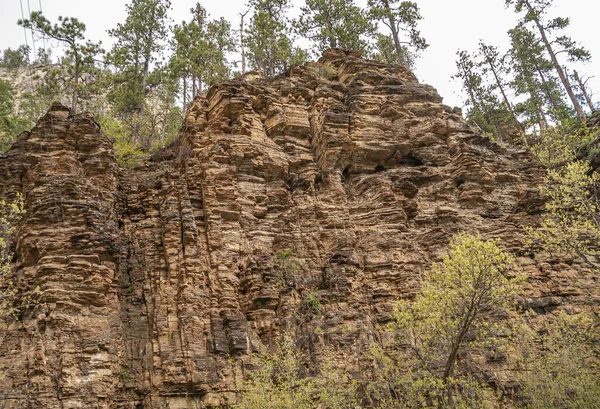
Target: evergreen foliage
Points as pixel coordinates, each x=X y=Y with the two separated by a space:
x=336 y=24
x=268 y=38
x=401 y=18
x=13 y=59
x=559 y=364
x=80 y=53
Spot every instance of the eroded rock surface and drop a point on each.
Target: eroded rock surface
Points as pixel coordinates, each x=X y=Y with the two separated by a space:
x=156 y=283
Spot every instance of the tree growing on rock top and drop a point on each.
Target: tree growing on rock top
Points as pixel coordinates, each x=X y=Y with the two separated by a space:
x=138 y=44
x=200 y=49
x=268 y=38
x=336 y=24
x=401 y=18
x=80 y=53
x=534 y=12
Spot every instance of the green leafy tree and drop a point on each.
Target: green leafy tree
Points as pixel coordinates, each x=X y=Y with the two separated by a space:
x=534 y=13
x=268 y=38
x=280 y=380
x=559 y=366
x=401 y=18
x=11 y=124
x=336 y=24
x=18 y=58
x=79 y=53
x=495 y=65
x=571 y=222
x=44 y=57
x=384 y=50
x=10 y=215
x=460 y=314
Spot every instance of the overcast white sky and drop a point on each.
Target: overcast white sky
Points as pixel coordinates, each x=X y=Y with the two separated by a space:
x=447 y=26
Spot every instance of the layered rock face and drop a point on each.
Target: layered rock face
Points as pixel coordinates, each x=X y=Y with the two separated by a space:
x=343 y=181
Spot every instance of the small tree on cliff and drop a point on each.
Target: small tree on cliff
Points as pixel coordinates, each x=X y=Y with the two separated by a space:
x=10 y=215
x=138 y=43
x=281 y=380
x=559 y=364
x=79 y=54
x=200 y=50
x=461 y=312
x=572 y=220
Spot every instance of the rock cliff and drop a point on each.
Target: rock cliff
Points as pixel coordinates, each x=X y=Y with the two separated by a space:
x=343 y=180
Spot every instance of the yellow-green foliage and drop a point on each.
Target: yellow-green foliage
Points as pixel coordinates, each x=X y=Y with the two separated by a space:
x=128 y=154
x=572 y=219
x=10 y=215
x=555 y=146
x=560 y=367
x=461 y=311
x=280 y=380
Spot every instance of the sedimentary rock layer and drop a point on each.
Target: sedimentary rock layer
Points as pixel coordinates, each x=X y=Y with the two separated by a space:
x=344 y=179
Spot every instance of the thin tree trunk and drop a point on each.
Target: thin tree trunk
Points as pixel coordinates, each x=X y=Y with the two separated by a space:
x=395 y=34
x=243 y=48
x=76 y=85
x=503 y=92
x=194 y=89
x=582 y=86
x=547 y=91
x=557 y=66
x=74 y=95
x=184 y=92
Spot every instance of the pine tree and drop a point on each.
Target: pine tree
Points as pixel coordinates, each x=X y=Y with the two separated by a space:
x=535 y=10
x=139 y=41
x=495 y=65
x=336 y=24
x=79 y=54
x=401 y=19
x=535 y=81
x=200 y=50
x=268 y=38
x=18 y=58
x=487 y=113
x=384 y=50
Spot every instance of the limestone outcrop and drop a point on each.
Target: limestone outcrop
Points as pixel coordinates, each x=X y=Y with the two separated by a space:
x=344 y=179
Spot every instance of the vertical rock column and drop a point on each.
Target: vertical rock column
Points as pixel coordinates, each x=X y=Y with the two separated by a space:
x=64 y=353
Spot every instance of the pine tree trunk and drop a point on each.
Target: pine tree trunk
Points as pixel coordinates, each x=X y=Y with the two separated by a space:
x=557 y=66
x=75 y=86
x=547 y=91
x=242 y=41
x=395 y=34
x=503 y=92
x=184 y=93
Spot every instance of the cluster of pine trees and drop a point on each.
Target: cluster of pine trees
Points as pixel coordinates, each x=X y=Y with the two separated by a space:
x=139 y=95
x=532 y=88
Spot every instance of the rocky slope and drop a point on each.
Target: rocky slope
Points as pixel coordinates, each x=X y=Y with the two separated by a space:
x=156 y=283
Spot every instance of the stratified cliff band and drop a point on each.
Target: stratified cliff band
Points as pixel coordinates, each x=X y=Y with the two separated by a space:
x=157 y=283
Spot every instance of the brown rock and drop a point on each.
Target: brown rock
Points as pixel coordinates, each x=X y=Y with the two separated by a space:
x=158 y=282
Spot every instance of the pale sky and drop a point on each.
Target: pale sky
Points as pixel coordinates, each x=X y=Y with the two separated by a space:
x=447 y=26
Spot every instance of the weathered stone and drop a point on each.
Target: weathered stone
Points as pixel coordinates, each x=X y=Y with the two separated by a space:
x=158 y=282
